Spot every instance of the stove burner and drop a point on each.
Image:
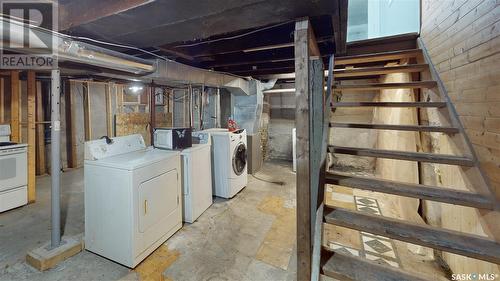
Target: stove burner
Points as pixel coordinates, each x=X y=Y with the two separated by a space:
x=7 y=143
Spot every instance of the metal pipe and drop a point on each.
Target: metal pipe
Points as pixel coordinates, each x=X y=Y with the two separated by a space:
x=55 y=164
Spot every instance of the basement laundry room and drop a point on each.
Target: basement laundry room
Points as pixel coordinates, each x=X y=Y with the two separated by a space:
x=249 y=140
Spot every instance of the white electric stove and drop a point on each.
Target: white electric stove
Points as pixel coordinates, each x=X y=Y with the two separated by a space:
x=13 y=172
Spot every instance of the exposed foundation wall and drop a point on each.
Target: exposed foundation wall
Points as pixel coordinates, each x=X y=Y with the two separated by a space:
x=463 y=40
x=281 y=122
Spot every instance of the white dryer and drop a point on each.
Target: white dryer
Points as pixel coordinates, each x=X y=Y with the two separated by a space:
x=132 y=198
x=229 y=155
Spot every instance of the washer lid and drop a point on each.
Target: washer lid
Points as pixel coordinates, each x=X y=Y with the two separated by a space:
x=134 y=160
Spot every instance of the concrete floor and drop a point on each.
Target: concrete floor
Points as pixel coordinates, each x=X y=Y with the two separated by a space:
x=240 y=239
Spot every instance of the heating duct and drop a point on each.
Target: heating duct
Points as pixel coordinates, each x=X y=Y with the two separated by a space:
x=158 y=71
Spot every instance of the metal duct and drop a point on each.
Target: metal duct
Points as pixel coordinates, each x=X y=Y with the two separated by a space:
x=158 y=71
x=70 y=50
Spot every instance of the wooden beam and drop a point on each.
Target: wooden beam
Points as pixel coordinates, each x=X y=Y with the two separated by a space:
x=348 y=267
x=70 y=124
x=86 y=111
x=41 y=168
x=464 y=244
x=379 y=70
x=15 y=105
x=403 y=155
x=305 y=48
x=412 y=128
x=376 y=57
x=31 y=89
x=426 y=192
x=385 y=86
x=388 y=104
x=2 y=101
x=109 y=111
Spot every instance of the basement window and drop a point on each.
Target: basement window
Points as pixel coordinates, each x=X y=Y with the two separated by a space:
x=369 y=19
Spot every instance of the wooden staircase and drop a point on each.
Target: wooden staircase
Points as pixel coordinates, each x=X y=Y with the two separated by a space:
x=342 y=266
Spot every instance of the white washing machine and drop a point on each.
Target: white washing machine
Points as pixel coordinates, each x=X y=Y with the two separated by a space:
x=196 y=181
x=132 y=198
x=229 y=155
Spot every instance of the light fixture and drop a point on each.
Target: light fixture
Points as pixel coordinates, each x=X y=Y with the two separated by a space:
x=135 y=88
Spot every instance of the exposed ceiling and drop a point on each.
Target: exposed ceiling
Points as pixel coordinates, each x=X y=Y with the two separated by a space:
x=245 y=37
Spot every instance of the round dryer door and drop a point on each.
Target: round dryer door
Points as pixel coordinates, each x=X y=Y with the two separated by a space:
x=239 y=159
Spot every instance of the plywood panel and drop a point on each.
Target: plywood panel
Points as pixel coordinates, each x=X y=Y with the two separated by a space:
x=138 y=123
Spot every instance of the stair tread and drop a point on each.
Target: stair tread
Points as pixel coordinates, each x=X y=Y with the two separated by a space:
x=358 y=268
x=379 y=70
x=469 y=245
x=433 y=193
x=374 y=57
x=419 y=128
x=382 y=86
x=388 y=104
x=403 y=155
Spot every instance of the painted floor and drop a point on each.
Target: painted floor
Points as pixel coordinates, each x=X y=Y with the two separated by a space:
x=250 y=237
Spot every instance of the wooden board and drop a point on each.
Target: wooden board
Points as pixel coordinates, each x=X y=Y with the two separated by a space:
x=388 y=104
x=382 y=86
x=434 y=193
x=379 y=70
x=302 y=119
x=41 y=168
x=342 y=266
x=15 y=106
x=2 y=101
x=403 y=155
x=31 y=83
x=413 y=128
x=139 y=123
x=375 y=57
x=447 y=240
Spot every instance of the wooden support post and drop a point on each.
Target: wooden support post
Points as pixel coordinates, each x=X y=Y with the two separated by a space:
x=2 y=101
x=152 y=111
x=86 y=111
x=70 y=124
x=40 y=132
x=15 y=105
x=31 y=83
x=305 y=47
x=109 y=110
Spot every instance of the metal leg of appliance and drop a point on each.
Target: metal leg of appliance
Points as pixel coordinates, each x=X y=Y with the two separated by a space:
x=55 y=134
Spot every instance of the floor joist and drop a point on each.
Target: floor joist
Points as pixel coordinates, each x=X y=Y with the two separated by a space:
x=421 y=234
x=403 y=155
x=426 y=192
